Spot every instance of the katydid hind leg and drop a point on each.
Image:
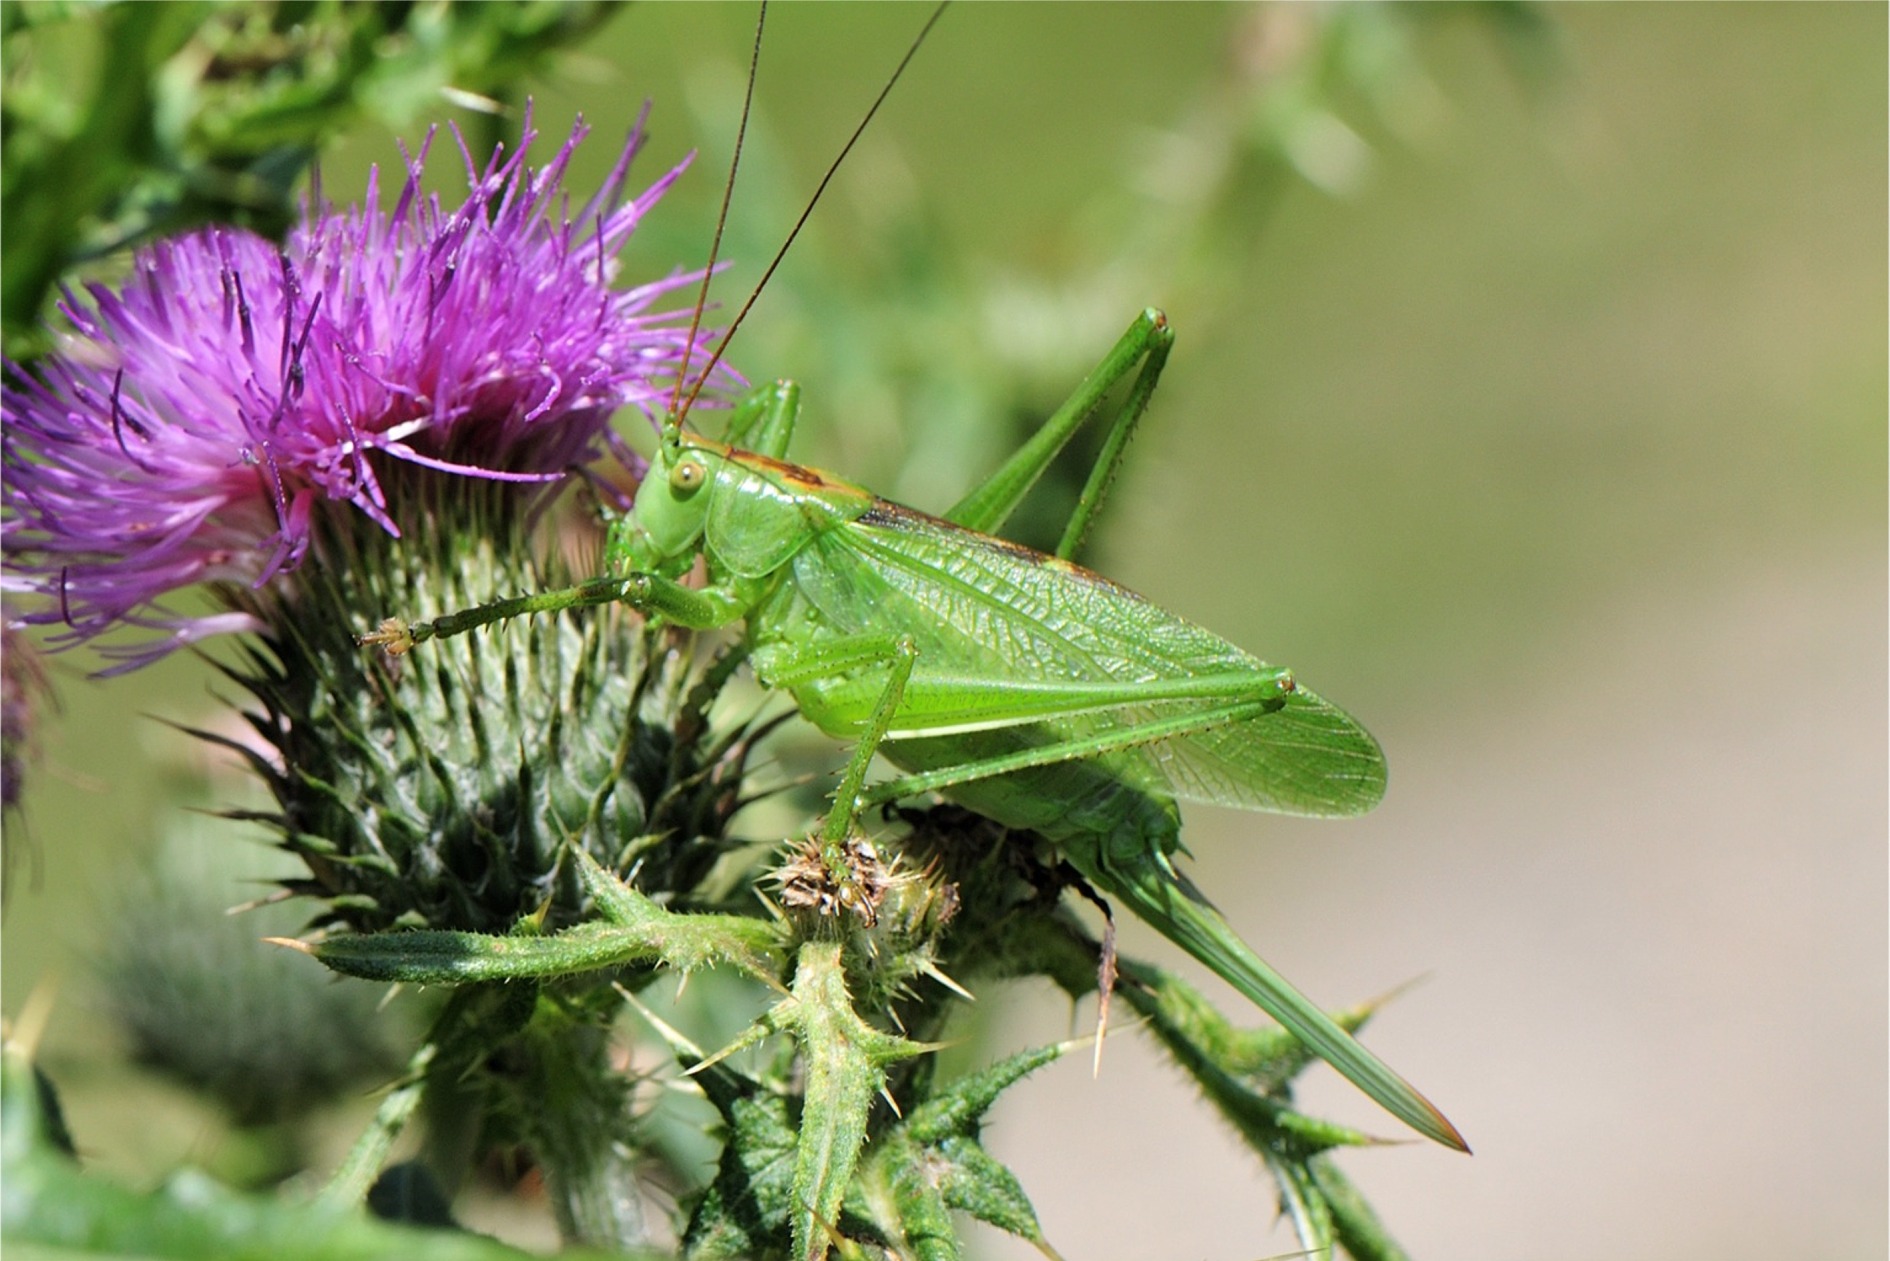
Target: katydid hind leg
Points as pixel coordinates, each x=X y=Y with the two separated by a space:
x=1068 y=749
x=1146 y=342
x=927 y=705
x=1102 y=473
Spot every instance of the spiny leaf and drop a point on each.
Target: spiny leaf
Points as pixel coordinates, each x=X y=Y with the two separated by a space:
x=1214 y=1053
x=645 y=934
x=1357 y=1227
x=974 y=1182
x=1161 y=898
x=1268 y=1056
x=349 y=1184
x=1303 y=1205
x=902 y=1177
x=845 y=1061
x=744 y=1212
x=932 y=1162
x=960 y=1107
x=1246 y=1080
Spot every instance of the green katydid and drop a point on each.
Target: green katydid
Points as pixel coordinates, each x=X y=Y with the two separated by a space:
x=1015 y=683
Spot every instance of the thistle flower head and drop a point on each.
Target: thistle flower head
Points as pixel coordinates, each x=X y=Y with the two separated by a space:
x=202 y=416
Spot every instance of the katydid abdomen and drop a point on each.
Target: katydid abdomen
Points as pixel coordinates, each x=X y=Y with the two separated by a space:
x=1012 y=640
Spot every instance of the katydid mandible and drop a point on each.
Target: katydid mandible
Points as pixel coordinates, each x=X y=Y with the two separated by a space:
x=1013 y=682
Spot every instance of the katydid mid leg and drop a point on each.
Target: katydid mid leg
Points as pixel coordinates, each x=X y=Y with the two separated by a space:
x=785 y=668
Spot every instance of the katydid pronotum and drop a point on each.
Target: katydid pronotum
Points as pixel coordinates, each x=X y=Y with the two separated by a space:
x=1013 y=682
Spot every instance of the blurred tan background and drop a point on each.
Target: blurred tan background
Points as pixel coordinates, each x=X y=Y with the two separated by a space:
x=1536 y=414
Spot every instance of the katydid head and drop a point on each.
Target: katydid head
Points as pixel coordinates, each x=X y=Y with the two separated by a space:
x=663 y=530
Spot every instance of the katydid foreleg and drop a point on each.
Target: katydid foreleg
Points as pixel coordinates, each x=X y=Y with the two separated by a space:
x=700 y=608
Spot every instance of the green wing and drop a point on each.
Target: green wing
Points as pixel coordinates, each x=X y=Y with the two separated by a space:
x=984 y=609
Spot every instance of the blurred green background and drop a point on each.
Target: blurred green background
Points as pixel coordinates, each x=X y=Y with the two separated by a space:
x=1529 y=400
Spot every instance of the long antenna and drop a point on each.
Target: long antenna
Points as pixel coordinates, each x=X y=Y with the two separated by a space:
x=679 y=412
x=672 y=428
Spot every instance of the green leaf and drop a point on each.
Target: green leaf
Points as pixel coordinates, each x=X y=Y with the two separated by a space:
x=54 y=1209
x=974 y=1182
x=1268 y=1057
x=350 y=1183
x=1246 y=1075
x=932 y=1161
x=1358 y=1229
x=744 y=1213
x=1303 y=1205
x=640 y=933
x=959 y=1109
x=901 y=1193
x=844 y=1060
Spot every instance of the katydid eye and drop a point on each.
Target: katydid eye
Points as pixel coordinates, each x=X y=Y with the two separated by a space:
x=687 y=477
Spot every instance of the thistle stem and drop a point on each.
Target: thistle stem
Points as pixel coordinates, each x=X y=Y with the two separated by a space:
x=577 y=1120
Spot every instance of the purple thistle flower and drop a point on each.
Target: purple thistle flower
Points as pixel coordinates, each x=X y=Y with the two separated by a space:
x=199 y=418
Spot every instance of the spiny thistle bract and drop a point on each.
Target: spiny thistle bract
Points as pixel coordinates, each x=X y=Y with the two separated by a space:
x=442 y=790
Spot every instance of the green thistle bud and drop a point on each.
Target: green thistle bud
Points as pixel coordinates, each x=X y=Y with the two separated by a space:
x=441 y=790
x=263 y=1037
